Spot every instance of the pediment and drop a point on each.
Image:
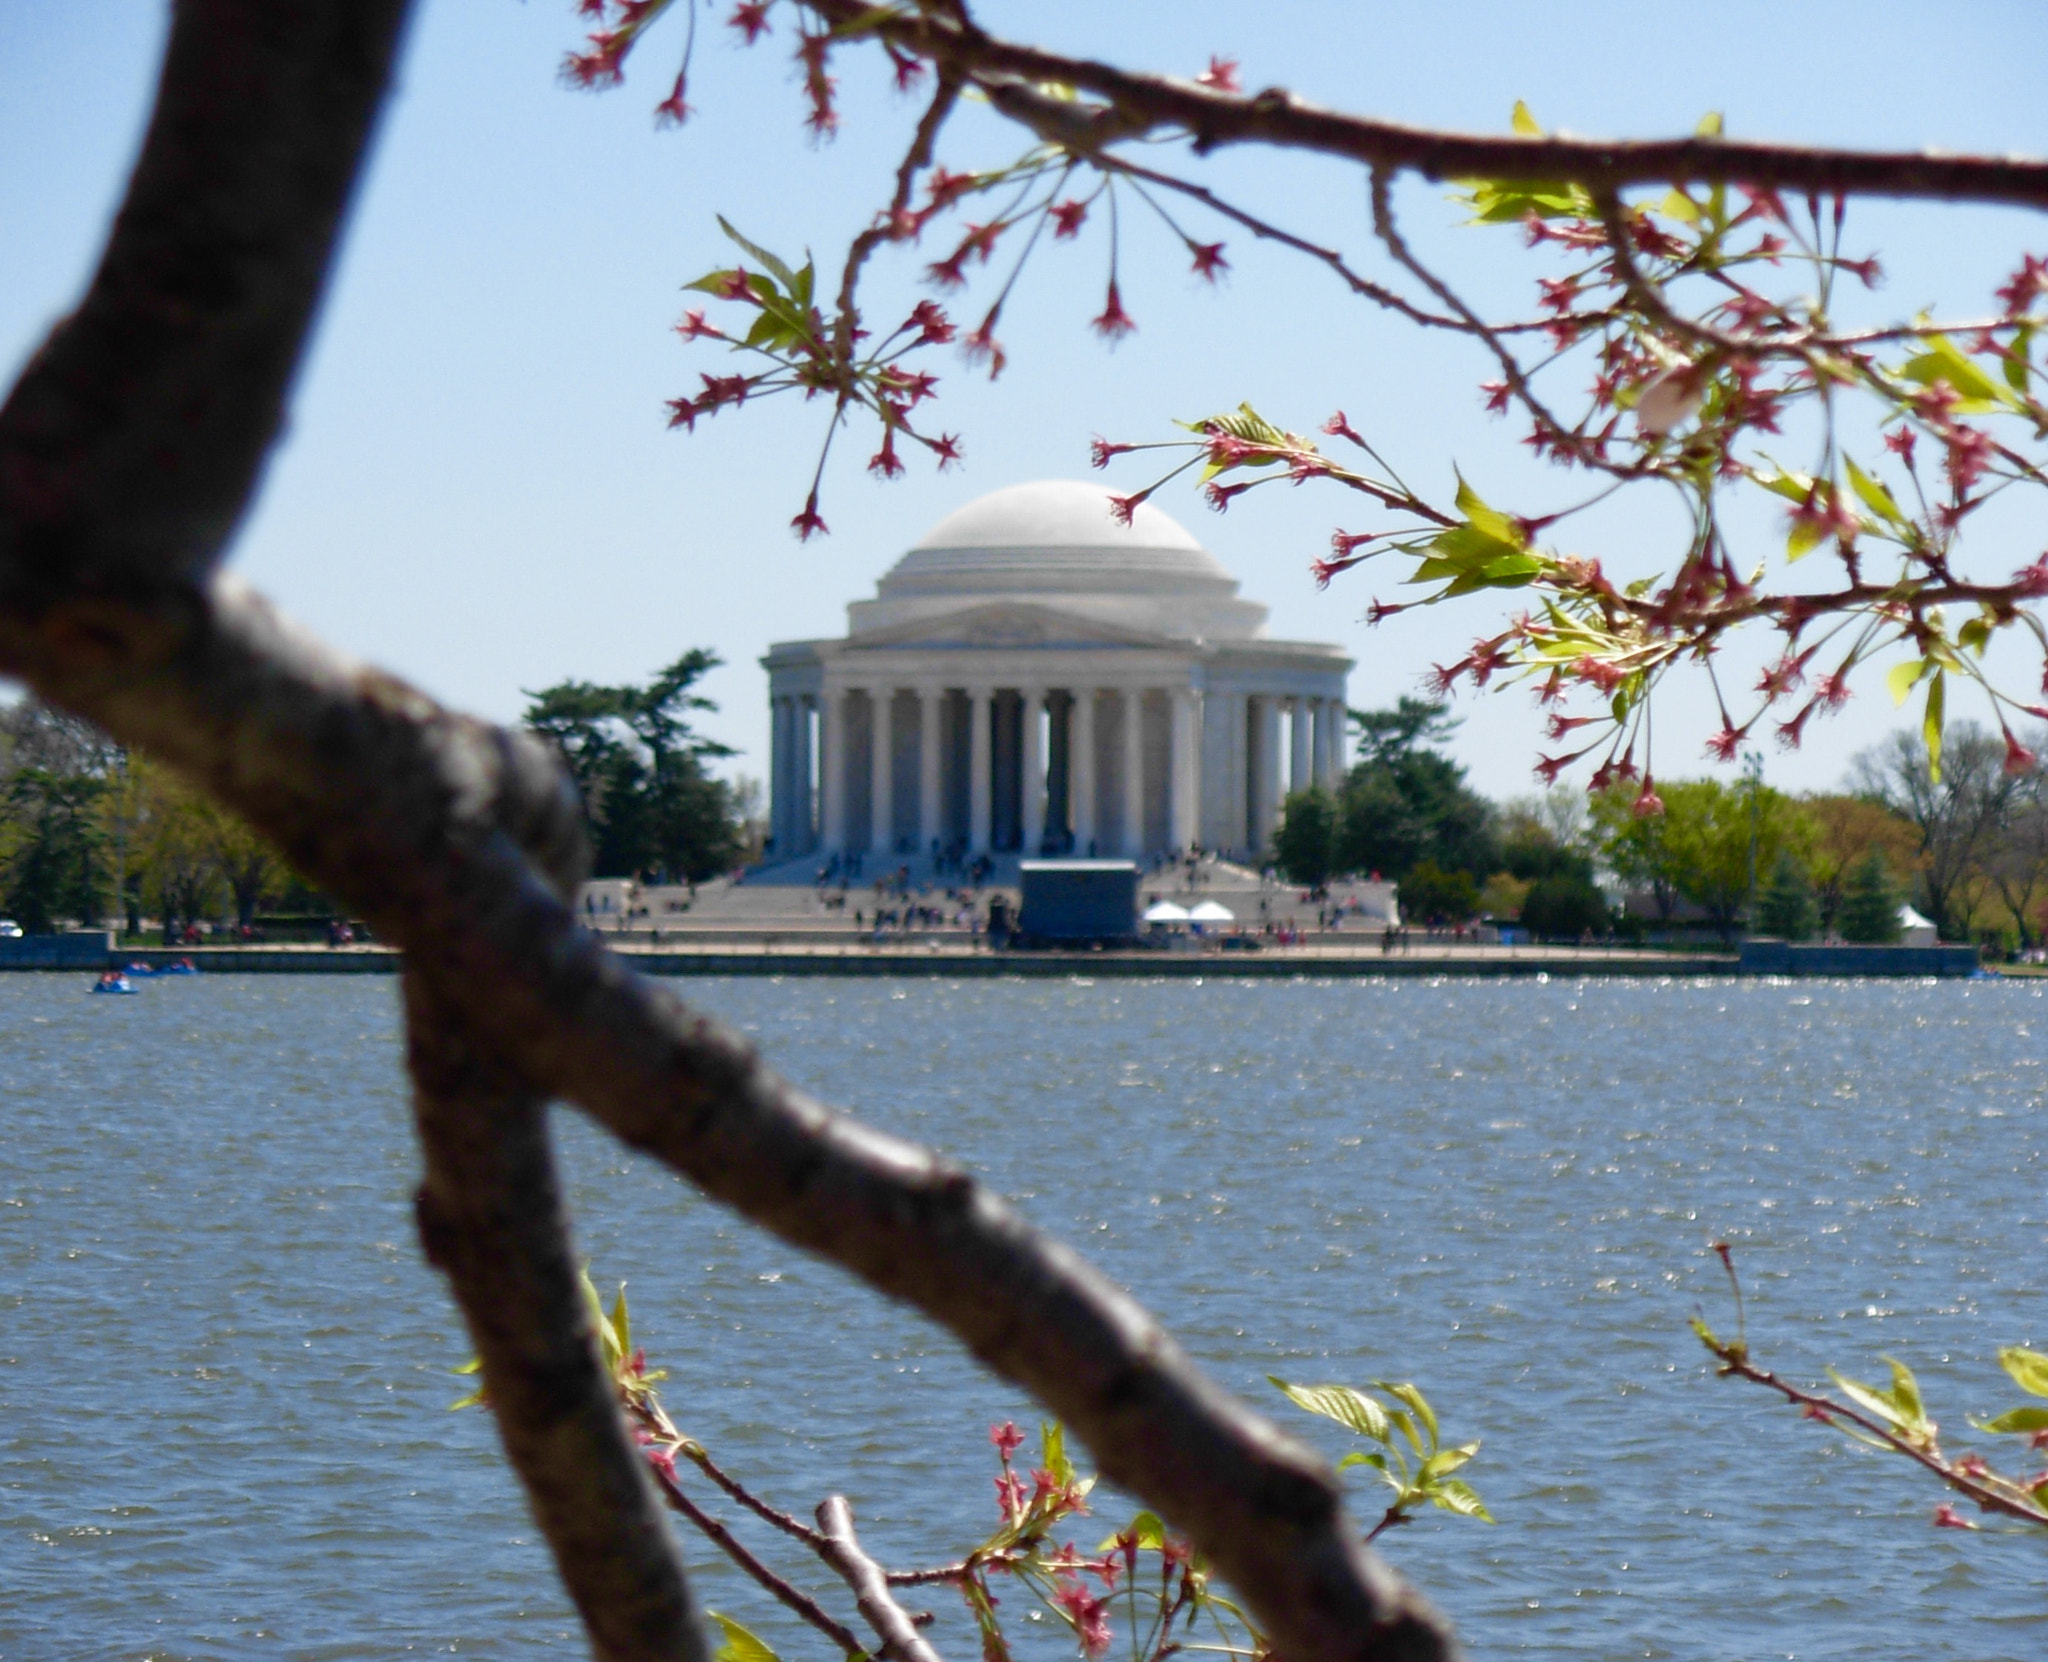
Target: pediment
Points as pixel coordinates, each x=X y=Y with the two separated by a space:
x=1008 y=626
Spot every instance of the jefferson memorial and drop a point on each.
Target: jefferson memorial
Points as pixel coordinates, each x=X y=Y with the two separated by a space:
x=1035 y=678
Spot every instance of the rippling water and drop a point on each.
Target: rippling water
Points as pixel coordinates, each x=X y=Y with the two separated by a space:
x=224 y=1370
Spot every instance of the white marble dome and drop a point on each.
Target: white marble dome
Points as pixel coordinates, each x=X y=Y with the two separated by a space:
x=1056 y=542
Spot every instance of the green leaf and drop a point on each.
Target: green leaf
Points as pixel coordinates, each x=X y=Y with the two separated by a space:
x=1523 y=122
x=1931 y=722
x=1364 y=1457
x=1490 y=520
x=1709 y=125
x=713 y=282
x=2016 y=368
x=1053 y=1444
x=1805 y=536
x=783 y=274
x=1442 y=1463
x=1146 y=1527
x=1678 y=205
x=608 y=1341
x=1353 y=1409
x=740 y=1645
x=1416 y=1400
x=469 y=1401
x=2016 y=1420
x=1903 y=678
x=1869 y=1399
x=1906 y=1393
x=1873 y=494
x=474 y=1365
x=2029 y=1369
x=621 y=1327
x=1794 y=487
x=1944 y=361
x=1456 y=1495
x=1704 y=1333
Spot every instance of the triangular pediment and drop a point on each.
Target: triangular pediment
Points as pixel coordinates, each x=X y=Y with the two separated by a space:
x=1008 y=626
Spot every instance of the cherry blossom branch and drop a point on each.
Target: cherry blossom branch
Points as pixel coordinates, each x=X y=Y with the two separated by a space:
x=1140 y=103
x=723 y=1538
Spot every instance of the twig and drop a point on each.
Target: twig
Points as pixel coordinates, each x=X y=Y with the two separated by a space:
x=804 y=1605
x=842 y=1550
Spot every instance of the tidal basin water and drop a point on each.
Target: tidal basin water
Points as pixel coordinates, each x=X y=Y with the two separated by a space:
x=225 y=1371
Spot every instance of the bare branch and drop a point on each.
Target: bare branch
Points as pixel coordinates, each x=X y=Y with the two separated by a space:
x=723 y=1538
x=842 y=1550
x=490 y=1215
x=133 y=441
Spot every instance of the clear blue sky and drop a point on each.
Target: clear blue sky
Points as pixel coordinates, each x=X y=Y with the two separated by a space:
x=478 y=492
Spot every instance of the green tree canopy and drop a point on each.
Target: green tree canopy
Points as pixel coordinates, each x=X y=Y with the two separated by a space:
x=1699 y=847
x=1305 y=846
x=1786 y=906
x=653 y=809
x=1870 y=904
x=1404 y=802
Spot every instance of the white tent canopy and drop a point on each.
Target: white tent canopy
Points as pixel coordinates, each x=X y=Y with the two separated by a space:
x=1164 y=911
x=1210 y=912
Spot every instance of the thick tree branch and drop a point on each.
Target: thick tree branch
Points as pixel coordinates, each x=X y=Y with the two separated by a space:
x=490 y=1215
x=417 y=817
x=901 y=1641
x=133 y=442
x=127 y=456
x=1142 y=103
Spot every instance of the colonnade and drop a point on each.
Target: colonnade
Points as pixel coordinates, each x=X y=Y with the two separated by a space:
x=888 y=768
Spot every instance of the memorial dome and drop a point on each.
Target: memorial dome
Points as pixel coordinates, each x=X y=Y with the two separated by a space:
x=1054 y=536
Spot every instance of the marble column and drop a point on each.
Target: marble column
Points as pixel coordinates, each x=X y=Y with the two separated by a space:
x=980 y=797
x=1299 y=728
x=881 y=771
x=1267 y=779
x=1134 y=773
x=1081 y=768
x=1031 y=770
x=803 y=830
x=1339 y=723
x=1184 y=775
x=1322 y=743
x=778 y=776
x=832 y=770
x=930 y=701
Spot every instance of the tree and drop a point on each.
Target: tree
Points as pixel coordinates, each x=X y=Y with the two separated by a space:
x=652 y=809
x=130 y=450
x=2016 y=862
x=1403 y=802
x=1431 y=895
x=1698 y=844
x=1305 y=845
x=1841 y=830
x=1870 y=904
x=1786 y=907
x=1956 y=808
x=56 y=867
x=1564 y=908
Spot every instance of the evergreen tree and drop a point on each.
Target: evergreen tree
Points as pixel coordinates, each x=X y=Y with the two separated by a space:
x=653 y=809
x=56 y=867
x=1305 y=844
x=1565 y=907
x=1786 y=907
x=1870 y=904
x=1405 y=803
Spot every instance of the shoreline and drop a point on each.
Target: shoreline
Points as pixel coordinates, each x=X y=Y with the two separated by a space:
x=928 y=961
